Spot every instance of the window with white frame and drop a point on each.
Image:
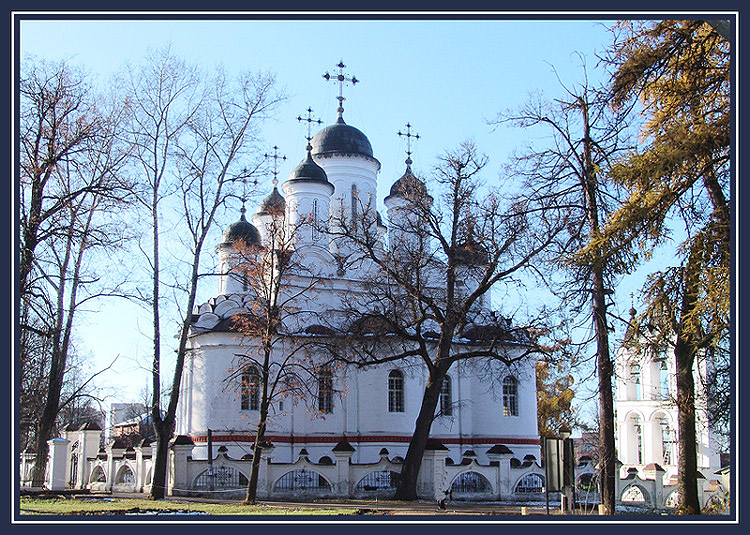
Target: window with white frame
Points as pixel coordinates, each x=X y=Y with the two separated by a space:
x=510 y=396
x=446 y=397
x=250 y=389
x=325 y=391
x=395 y=391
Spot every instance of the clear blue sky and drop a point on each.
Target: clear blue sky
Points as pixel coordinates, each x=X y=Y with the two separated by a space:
x=446 y=78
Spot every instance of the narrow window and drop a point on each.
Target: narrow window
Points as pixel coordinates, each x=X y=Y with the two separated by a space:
x=315 y=220
x=446 y=401
x=635 y=377
x=250 y=390
x=395 y=391
x=355 y=202
x=664 y=379
x=325 y=391
x=510 y=396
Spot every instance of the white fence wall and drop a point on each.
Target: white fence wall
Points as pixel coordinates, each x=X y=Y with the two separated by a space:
x=504 y=478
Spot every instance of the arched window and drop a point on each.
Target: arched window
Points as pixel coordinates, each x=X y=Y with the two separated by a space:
x=325 y=391
x=446 y=397
x=250 y=389
x=637 y=439
x=395 y=391
x=510 y=396
x=635 y=378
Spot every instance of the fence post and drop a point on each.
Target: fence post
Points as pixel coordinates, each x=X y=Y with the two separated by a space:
x=343 y=451
x=58 y=463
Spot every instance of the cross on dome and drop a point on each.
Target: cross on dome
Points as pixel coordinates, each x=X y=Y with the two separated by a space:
x=276 y=158
x=341 y=79
x=244 y=175
x=408 y=135
x=309 y=121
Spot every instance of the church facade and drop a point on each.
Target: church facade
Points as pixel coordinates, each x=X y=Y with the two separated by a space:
x=375 y=407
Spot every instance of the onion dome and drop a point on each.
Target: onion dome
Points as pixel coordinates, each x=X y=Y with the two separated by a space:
x=342 y=139
x=471 y=253
x=309 y=170
x=273 y=204
x=408 y=186
x=241 y=230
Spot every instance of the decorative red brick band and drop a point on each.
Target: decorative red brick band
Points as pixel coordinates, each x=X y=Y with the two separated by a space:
x=287 y=439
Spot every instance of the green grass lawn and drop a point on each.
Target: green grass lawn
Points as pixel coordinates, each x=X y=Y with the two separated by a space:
x=121 y=506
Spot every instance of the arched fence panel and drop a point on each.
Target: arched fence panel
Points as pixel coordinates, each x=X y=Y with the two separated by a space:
x=469 y=485
x=377 y=483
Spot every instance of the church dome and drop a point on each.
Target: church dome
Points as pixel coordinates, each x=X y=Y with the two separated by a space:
x=273 y=204
x=408 y=186
x=309 y=170
x=341 y=138
x=241 y=230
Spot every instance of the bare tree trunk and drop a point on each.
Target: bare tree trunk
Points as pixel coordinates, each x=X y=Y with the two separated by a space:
x=599 y=305
x=46 y=425
x=685 y=350
x=407 y=484
x=260 y=434
x=164 y=431
x=606 y=406
x=61 y=341
x=260 y=437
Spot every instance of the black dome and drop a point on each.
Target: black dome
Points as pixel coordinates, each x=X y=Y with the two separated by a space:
x=273 y=204
x=309 y=170
x=241 y=230
x=341 y=138
x=408 y=186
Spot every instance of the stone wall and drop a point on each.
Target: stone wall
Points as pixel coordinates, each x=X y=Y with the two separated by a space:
x=503 y=478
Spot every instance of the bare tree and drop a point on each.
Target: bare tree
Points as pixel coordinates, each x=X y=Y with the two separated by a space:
x=191 y=132
x=70 y=178
x=277 y=364
x=565 y=181
x=429 y=287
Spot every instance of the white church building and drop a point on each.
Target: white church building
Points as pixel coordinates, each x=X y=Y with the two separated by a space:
x=351 y=439
x=376 y=407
